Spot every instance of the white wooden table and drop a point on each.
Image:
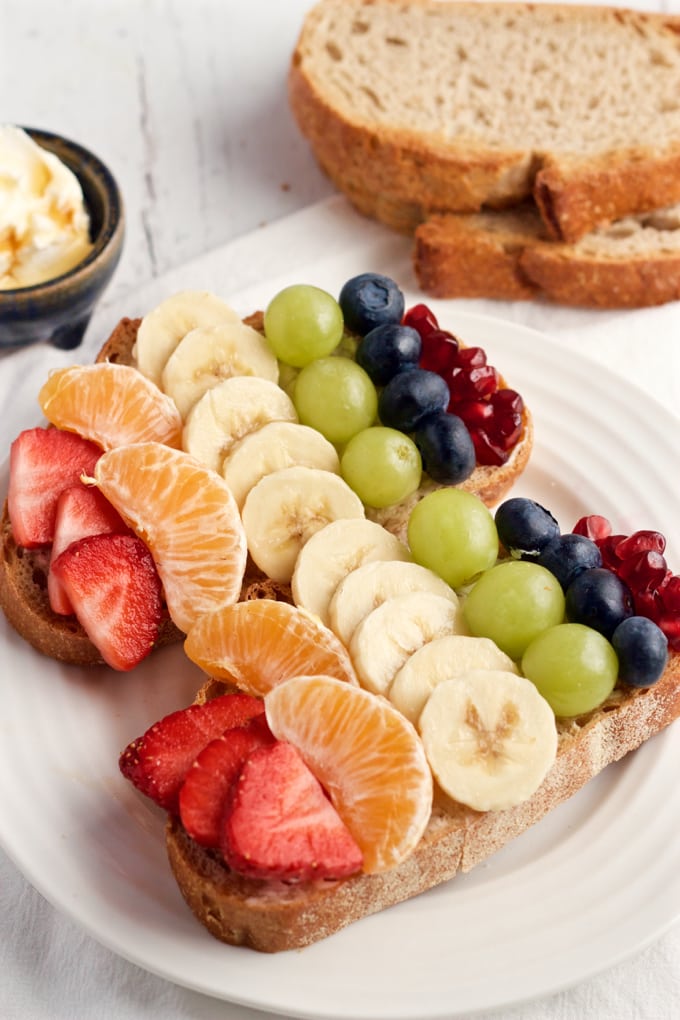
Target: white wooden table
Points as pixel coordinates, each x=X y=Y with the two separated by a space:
x=186 y=102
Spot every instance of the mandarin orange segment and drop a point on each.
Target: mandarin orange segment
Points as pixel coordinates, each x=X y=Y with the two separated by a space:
x=366 y=754
x=188 y=518
x=111 y=404
x=258 y=644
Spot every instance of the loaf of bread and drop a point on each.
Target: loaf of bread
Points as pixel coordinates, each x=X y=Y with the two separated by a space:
x=414 y=106
x=631 y=263
x=274 y=916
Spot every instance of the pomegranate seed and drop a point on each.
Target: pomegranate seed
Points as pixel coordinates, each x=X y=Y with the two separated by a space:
x=507 y=430
x=608 y=547
x=471 y=357
x=670 y=625
x=639 y=542
x=669 y=593
x=507 y=401
x=474 y=412
x=473 y=384
x=646 y=571
x=647 y=603
x=439 y=353
x=421 y=319
x=593 y=527
x=488 y=452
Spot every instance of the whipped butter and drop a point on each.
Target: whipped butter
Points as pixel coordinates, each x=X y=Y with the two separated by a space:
x=44 y=226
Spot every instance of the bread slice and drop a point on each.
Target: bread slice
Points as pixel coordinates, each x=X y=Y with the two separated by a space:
x=274 y=916
x=417 y=106
x=631 y=263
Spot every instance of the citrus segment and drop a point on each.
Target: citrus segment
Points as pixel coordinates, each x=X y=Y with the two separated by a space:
x=188 y=518
x=258 y=644
x=111 y=404
x=366 y=754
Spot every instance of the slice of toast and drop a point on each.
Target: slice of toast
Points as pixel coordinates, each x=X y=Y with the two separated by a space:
x=23 y=573
x=507 y=255
x=274 y=916
x=433 y=107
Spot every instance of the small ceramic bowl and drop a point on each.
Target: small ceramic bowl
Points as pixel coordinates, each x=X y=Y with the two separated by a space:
x=59 y=310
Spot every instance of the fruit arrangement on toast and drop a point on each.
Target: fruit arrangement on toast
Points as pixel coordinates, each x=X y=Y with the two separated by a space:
x=399 y=680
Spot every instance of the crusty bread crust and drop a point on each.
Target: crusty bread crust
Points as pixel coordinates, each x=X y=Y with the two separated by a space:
x=508 y=256
x=271 y=917
x=399 y=174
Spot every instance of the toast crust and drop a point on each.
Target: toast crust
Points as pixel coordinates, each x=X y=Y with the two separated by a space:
x=271 y=917
x=399 y=174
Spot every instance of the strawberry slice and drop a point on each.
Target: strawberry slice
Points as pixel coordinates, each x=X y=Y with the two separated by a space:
x=281 y=825
x=81 y=511
x=158 y=761
x=205 y=793
x=112 y=583
x=42 y=463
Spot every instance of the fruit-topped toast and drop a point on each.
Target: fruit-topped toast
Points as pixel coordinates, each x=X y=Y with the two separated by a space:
x=399 y=681
x=263 y=430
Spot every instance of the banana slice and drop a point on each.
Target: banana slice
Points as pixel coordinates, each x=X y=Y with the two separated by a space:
x=490 y=738
x=385 y=638
x=209 y=354
x=332 y=553
x=275 y=446
x=162 y=329
x=287 y=507
x=442 y=659
x=228 y=412
x=367 y=587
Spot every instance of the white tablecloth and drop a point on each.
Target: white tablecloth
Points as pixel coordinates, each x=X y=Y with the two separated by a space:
x=186 y=102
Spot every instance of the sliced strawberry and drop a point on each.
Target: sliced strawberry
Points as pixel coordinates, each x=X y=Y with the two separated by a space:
x=205 y=792
x=281 y=825
x=158 y=761
x=81 y=511
x=42 y=463
x=112 y=583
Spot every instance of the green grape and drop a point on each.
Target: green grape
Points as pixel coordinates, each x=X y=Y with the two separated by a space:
x=573 y=666
x=336 y=397
x=382 y=465
x=302 y=323
x=453 y=533
x=513 y=603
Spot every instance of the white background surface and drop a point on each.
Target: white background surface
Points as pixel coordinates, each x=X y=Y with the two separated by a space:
x=186 y=102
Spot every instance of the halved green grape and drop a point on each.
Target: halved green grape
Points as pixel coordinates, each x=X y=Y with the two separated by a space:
x=336 y=397
x=513 y=603
x=302 y=323
x=382 y=465
x=573 y=666
x=453 y=533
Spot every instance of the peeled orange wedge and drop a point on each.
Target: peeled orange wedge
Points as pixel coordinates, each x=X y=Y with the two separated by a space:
x=188 y=518
x=110 y=404
x=260 y=643
x=366 y=754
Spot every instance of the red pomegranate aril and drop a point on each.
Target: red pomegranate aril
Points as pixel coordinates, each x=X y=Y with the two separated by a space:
x=488 y=453
x=507 y=430
x=439 y=352
x=648 y=603
x=421 y=319
x=639 y=542
x=646 y=571
x=474 y=412
x=593 y=527
x=608 y=547
x=507 y=401
x=471 y=385
x=471 y=357
x=669 y=593
x=670 y=625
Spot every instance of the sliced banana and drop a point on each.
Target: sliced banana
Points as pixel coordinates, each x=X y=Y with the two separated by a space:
x=209 y=354
x=162 y=329
x=385 y=639
x=367 y=587
x=490 y=738
x=275 y=446
x=287 y=507
x=442 y=659
x=228 y=412
x=332 y=553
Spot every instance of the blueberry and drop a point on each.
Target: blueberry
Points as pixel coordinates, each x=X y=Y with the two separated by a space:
x=446 y=448
x=410 y=397
x=524 y=526
x=599 y=599
x=642 y=648
x=567 y=555
x=388 y=349
x=369 y=300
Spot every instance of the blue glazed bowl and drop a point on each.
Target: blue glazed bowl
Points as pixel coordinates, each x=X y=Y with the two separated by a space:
x=58 y=311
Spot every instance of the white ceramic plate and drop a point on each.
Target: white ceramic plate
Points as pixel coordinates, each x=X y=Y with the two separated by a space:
x=593 y=882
